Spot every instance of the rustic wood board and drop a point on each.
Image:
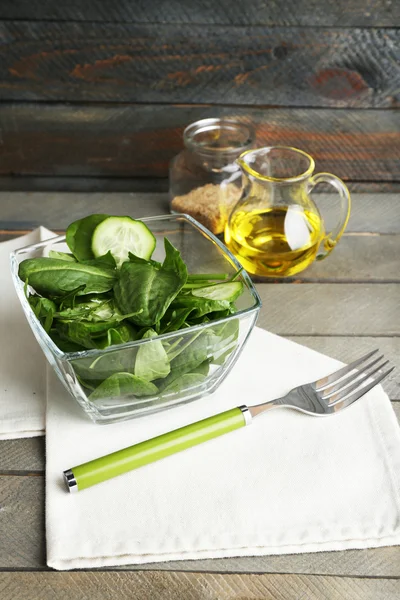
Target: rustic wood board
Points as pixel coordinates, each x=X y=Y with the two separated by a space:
x=114 y=140
x=254 y=12
x=284 y=66
x=331 y=309
x=370 y=213
x=49 y=183
x=196 y=586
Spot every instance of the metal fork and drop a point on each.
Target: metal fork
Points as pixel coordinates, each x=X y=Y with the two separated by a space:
x=323 y=397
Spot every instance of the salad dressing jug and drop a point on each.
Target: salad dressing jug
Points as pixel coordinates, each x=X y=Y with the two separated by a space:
x=275 y=229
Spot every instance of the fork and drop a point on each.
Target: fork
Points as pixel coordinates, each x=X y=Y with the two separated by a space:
x=326 y=396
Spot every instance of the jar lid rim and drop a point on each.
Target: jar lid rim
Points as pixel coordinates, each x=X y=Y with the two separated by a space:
x=213 y=124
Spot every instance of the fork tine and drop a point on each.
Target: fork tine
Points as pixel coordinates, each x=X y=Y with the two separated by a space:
x=358 y=394
x=333 y=377
x=349 y=378
x=357 y=382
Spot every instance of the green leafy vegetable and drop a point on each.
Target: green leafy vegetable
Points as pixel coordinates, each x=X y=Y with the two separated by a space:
x=152 y=360
x=187 y=381
x=79 y=236
x=52 y=276
x=44 y=310
x=123 y=384
x=109 y=293
x=200 y=306
x=141 y=285
x=62 y=256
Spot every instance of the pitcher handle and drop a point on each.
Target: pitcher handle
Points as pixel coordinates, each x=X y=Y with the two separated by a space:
x=332 y=238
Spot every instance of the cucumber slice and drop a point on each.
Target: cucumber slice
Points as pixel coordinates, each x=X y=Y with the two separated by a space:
x=121 y=235
x=220 y=291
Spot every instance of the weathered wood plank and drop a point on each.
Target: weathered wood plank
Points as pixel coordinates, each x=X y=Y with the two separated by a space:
x=359 y=259
x=181 y=586
x=22 y=522
x=289 y=66
x=373 y=213
x=331 y=309
x=25 y=183
x=348 y=349
x=26 y=454
x=139 y=140
x=254 y=12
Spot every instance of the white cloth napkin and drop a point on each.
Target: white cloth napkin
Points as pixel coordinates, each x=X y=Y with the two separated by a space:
x=22 y=363
x=288 y=483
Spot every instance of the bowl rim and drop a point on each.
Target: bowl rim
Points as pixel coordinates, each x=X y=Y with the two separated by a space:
x=96 y=352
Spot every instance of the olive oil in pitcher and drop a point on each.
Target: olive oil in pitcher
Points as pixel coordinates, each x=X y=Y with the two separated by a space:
x=275 y=242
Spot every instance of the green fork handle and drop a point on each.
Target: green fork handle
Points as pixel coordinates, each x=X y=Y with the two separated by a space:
x=139 y=455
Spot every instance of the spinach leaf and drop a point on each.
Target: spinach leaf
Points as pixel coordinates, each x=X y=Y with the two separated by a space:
x=139 y=260
x=189 y=358
x=68 y=300
x=121 y=385
x=224 y=340
x=141 y=285
x=174 y=319
x=79 y=236
x=80 y=332
x=199 y=306
x=64 y=345
x=122 y=334
x=44 y=310
x=107 y=261
x=203 y=368
x=151 y=360
x=62 y=256
x=106 y=364
x=185 y=382
x=54 y=277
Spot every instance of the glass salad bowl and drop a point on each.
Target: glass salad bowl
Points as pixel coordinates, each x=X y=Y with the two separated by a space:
x=194 y=361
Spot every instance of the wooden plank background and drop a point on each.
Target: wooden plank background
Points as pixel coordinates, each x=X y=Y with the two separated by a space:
x=97 y=90
x=220 y=64
x=139 y=140
x=376 y=13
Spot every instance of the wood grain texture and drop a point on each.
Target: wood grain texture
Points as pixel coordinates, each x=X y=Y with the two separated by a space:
x=196 y=586
x=22 y=522
x=111 y=140
x=331 y=309
x=286 y=66
x=370 y=213
x=348 y=348
x=26 y=183
x=159 y=585
x=25 y=454
x=253 y=12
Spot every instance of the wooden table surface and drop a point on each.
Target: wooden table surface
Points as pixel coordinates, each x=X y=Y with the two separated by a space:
x=342 y=307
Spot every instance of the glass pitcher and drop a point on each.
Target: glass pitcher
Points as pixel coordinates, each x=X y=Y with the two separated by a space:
x=275 y=229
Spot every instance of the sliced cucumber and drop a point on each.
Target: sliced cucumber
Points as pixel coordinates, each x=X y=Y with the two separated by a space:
x=121 y=235
x=220 y=291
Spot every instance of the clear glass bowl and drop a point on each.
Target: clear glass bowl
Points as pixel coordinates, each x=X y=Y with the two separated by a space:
x=208 y=350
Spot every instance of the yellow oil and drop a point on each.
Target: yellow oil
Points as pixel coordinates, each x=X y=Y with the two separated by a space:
x=276 y=242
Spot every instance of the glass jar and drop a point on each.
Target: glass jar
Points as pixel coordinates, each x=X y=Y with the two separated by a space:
x=204 y=179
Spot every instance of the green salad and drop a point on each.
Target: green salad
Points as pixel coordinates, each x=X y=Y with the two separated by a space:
x=108 y=291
